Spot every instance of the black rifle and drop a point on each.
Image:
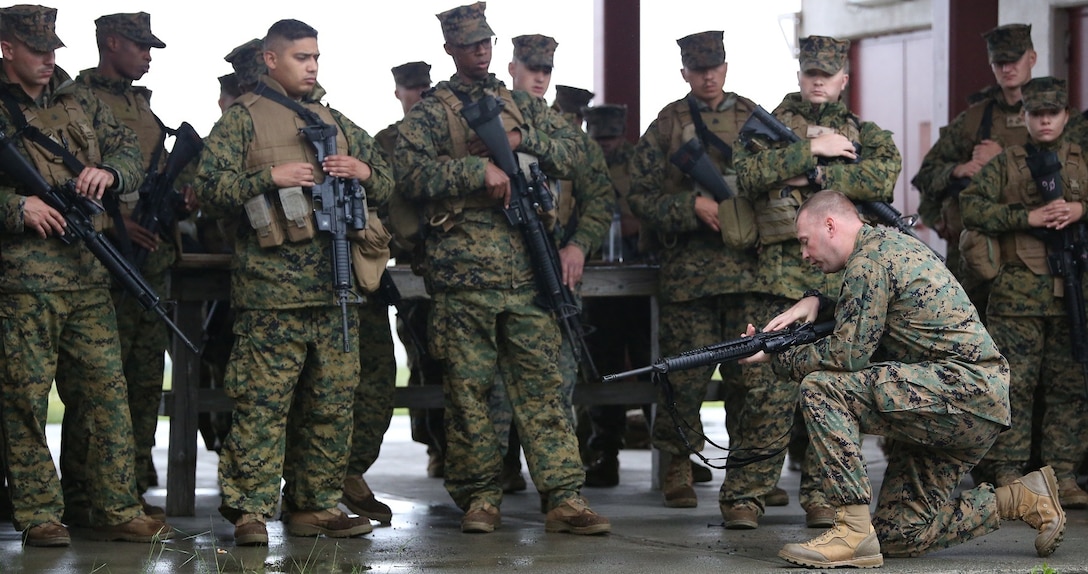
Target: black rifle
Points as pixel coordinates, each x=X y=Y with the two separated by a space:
x=1066 y=253
x=691 y=158
x=339 y=207
x=726 y=351
x=158 y=205
x=761 y=123
x=529 y=198
x=389 y=294
x=78 y=212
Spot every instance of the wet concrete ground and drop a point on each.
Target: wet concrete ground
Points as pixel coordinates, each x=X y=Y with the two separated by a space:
x=425 y=534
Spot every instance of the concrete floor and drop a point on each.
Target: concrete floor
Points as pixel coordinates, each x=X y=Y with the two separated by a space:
x=425 y=535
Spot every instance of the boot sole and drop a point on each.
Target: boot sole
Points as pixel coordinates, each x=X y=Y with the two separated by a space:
x=863 y=562
x=54 y=542
x=478 y=527
x=382 y=517
x=1048 y=547
x=740 y=525
x=682 y=503
x=311 y=530
x=100 y=536
x=559 y=526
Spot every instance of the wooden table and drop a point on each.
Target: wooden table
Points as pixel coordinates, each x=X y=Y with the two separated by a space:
x=201 y=278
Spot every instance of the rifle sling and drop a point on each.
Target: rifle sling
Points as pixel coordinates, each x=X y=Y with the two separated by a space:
x=705 y=135
x=307 y=116
x=70 y=161
x=987 y=122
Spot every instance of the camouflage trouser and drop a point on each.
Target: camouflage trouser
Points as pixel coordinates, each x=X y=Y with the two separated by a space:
x=767 y=413
x=373 y=405
x=74 y=332
x=288 y=360
x=1039 y=353
x=621 y=330
x=934 y=447
x=428 y=425
x=472 y=332
x=685 y=326
x=144 y=338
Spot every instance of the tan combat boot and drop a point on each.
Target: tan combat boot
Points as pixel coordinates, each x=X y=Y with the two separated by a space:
x=851 y=542
x=1071 y=494
x=678 y=480
x=1034 y=499
x=359 y=499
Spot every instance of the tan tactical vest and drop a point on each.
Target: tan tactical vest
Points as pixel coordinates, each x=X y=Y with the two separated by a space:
x=676 y=127
x=1021 y=189
x=134 y=110
x=276 y=139
x=1006 y=129
x=66 y=123
x=776 y=219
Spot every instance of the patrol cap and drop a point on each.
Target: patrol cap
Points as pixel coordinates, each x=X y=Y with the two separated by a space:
x=606 y=120
x=248 y=62
x=412 y=74
x=702 y=50
x=571 y=100
x=135 y=27
x=465 y=25
x=535 y=50
x=1007 y=43
x=35 y=25
x=228 y=84
x=1046 y=93
x=823 y=53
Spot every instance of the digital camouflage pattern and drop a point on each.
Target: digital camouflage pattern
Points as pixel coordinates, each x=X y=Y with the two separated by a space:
x=1046 y=93
x=606 y=121
x=34 y=25
x=908 y=359
x=135 y=27
x=1007 y=43
x=1028 y=322
x=465 y=25
x=292 y=275
x=288 y=360
x=823 y=53
x=571 y=100
x=372 y=406
x=535 y=50
x=702 y=50
x=412 y=74
x=484 y=251
x=248 y=63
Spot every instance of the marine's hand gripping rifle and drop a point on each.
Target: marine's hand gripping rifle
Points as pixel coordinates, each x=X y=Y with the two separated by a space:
x=339 y=207
x=528 y=198
x=78 y=212
x=159 y=204
x=726 y=351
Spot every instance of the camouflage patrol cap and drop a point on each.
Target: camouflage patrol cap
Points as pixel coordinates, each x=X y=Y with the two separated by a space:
x=465 y=25
x=34 y=25
x=228 y=84
x=535 y=50
x=571 y=100
x=823 y=53
x=702 y=50
x=1007 y=43
x=606 y=120
x=412 y=74
x=248 y=62
x=1046 y=93
x=135 y=27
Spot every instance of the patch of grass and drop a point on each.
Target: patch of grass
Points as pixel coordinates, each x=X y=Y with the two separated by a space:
x=1044 y=569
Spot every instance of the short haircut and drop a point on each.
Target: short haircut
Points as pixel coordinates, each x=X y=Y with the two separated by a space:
x=828 y=203
x=287 y=31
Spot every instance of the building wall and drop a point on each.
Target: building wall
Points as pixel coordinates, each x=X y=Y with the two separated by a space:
x=862 y=18
x=1049 y=30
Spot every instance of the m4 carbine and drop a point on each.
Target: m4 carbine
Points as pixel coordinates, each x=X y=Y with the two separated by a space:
x=78 y=212
x=733 y=350
x=339 y=207
x=762 y=123
x=159 y=205
x=529 y=198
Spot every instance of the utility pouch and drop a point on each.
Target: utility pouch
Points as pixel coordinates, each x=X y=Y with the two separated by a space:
x=298 y=214
x=263 y=220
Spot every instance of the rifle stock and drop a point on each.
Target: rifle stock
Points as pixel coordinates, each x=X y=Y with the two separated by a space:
x=691 y=158
x=78 y=212
x=529 y=198
x=727 y=351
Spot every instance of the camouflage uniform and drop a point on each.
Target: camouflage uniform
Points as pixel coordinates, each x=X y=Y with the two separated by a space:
x=58 y=317
x=782 y=275
x=144 y=337
x=288 y=340
x=479 y=277
x=703 y=284
x=1026 y=313
x=909 y=360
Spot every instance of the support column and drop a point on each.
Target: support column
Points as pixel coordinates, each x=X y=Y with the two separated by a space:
x=616 y=55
